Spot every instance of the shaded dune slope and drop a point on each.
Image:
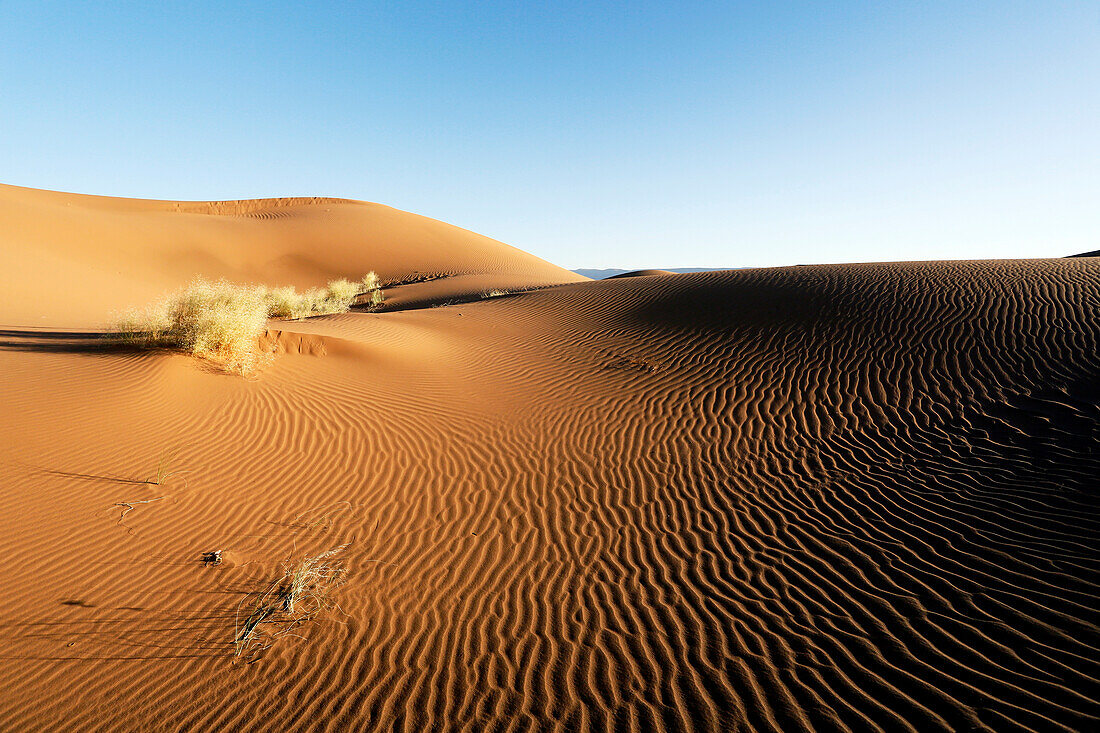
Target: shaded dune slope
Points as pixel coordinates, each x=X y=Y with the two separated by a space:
x=837 y=497
x=71 y=260
x=640 y=273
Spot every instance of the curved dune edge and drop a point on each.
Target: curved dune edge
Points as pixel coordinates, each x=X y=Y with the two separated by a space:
x=835 y=497
x=72 y=260
x=640 y=273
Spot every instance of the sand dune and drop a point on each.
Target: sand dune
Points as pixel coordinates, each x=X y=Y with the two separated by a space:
x=70 y=260
x=641 y=273
x=828 y=498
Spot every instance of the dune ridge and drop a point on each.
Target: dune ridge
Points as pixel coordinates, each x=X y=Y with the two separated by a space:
x=855 y=497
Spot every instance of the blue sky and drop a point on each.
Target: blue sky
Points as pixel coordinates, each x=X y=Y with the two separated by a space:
x=593 y=134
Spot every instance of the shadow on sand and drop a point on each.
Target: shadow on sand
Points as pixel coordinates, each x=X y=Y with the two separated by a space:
x=64 y=342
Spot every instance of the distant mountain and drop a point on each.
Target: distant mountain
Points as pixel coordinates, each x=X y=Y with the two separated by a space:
x=612 y=272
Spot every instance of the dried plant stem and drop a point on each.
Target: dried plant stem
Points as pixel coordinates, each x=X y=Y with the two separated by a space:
x=128 y=506
x=299 y=594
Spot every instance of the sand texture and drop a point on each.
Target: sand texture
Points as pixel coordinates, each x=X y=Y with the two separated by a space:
x=857 y=497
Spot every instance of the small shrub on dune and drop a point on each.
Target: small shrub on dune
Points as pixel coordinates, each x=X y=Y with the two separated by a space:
x=220 y=321
x=340 y=295
x=283 y=302
x=143 y=327
x=223 y=322
x=215 y=320
x=313 y=303
x=344 y=290
x=373 y=286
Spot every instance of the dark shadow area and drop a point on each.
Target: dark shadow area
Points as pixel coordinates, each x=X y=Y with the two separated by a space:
x=123 y=637
x=35 y=470
x=64 y=342
x=95 y=477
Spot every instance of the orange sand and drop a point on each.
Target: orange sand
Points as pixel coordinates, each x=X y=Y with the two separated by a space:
x=834 y=497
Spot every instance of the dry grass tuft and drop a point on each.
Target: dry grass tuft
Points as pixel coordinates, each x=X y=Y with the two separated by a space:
x=216 y=320
x=373 y=286
x=303 y=591
x=285 y=302
x=341 y=294
x=165 y=468
x=223 y=322
x=309 y=582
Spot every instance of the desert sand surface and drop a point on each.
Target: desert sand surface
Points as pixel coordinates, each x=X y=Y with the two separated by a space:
x=844 y=497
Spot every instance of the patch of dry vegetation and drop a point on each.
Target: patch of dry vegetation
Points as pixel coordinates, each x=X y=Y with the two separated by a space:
x=372 y=285
x=303 y=591
x=223 y=322
x=501 y=292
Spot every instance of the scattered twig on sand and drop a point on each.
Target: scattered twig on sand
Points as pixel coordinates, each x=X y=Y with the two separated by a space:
x=128 y=506
x=321 y=516
x=164 y=472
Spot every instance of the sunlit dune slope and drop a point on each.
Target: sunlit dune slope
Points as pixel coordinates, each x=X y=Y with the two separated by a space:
x=70 y=260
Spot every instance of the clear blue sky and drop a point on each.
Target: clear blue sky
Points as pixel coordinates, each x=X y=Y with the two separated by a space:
x=615 y=134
